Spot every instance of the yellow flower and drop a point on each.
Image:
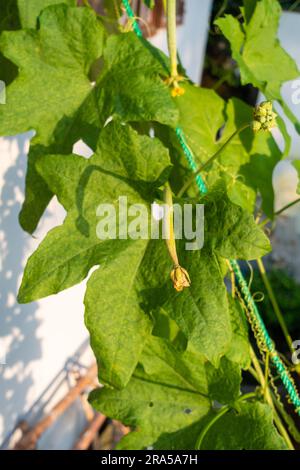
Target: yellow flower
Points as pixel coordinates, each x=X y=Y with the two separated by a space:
x=177 y=91
x=180 y=278
x=264 y=117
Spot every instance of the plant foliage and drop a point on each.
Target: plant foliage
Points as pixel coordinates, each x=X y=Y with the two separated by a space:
x=167 y=360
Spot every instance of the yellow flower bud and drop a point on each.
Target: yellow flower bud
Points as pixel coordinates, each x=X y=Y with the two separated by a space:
x=180 y=278
x=177 y=91
x=264 y=117
x=256 y=126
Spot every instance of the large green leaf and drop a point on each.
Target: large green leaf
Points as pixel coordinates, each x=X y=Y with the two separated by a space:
x=54 y=64
x=167 y=392
x=230 y=230
x=201 y=311
x=9 y=21
x=30 y=10
x=257 y=50
x=66 y=45
x=114 y=315
x=117 y=324
x=131 y=87
x=81 y=185
x=248 y=428
x=255 y=46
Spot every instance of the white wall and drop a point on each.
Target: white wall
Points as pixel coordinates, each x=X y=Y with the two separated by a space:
x=38 y=338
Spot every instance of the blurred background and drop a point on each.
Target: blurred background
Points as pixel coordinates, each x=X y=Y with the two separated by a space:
x=46 y=365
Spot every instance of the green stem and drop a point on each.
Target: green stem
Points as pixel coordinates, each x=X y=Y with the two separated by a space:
x=171 y=32
x=191 y=180
x=279 y=212
x=222 y=9
x=274 y=303
x=267 y=364
x=219 y=415
x=287 y=207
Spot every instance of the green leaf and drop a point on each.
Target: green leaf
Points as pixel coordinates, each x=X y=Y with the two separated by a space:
x=81 y=185
x=249 y=428
x=117 y=324
x=131 y=87
x=258 y=52
x=54 y=64
x=9 y=21
x=248 y=9
x=151 y=406
x=201 y=311
x=230 y=230
x=30 y=10
x=115 y=316
x=167 y=392
x=201 y=116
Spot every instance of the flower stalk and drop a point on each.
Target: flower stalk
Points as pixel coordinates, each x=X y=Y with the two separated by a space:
x=172 y=46
x=179 y=275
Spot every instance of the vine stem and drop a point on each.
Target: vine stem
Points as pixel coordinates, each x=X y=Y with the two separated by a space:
x=274 y=303
x=284 y=208
x=279 y=212
x=219 y=415
x=269 y=400
x=171 y=33
x=191 y=180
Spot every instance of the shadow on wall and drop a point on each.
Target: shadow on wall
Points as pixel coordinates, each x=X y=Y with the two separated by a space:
x=19 y=344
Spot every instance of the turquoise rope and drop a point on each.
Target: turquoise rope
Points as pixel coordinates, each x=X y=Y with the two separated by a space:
x=130 y=15
x=251 y=305
x=190 y=158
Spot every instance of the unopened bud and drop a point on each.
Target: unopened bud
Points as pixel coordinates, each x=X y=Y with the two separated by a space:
x=180 y=278
x=264 y=117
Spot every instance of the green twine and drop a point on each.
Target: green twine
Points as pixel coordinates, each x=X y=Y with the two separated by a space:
x=190 y=158
x=130 y=14
x=253 y=310
x=279 y=365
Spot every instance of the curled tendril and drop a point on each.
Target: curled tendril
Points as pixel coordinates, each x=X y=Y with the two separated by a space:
x=258 y=296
